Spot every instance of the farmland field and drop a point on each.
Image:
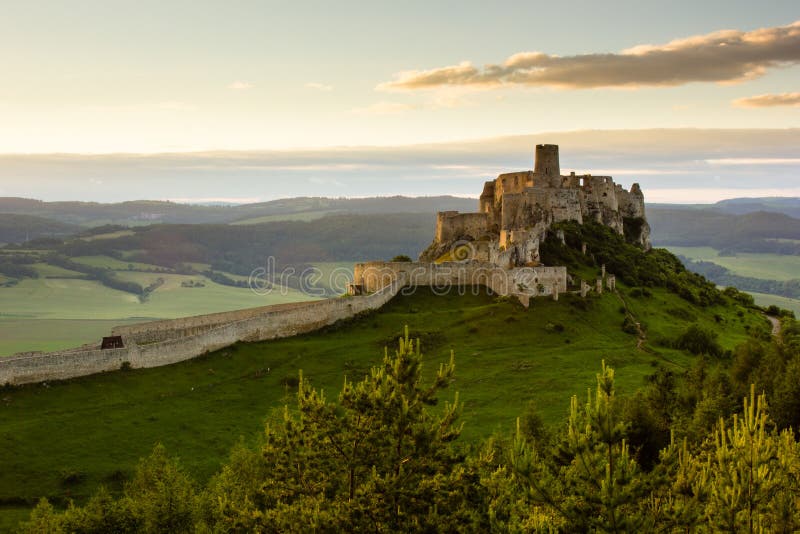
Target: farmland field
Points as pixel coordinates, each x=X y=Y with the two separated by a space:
x=60 y=310
x=764 y=266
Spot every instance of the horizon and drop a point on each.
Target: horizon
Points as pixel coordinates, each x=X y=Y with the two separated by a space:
x=101 y=101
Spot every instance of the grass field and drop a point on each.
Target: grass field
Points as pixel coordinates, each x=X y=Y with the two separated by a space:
x=763 y=299
x=301 y=216
x=505 y=355
x=59 y=310
x=109 y=235
x=765 y=266
x=18 y=335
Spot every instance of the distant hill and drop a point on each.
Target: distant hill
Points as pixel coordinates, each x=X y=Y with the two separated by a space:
x=744 y=225
x=751 y=232
x=142 y=212
x=241 y=248
x=787 y=205
x=741 y=206
x=18 y=228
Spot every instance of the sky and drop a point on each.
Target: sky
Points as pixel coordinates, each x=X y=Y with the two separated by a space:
x=247 y=101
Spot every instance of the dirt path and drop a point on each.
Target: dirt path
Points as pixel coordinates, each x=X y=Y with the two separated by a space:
x=641 y=336
x=776 y=325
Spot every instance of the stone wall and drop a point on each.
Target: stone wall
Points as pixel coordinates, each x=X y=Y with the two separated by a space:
x=530 y=281
x=452 y=225
x=191 y=337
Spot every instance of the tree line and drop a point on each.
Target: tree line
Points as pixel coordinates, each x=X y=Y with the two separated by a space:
x=683 y=454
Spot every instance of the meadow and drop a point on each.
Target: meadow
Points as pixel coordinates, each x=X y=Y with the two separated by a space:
x=766 y=266
x=60 y=310
x=63 y=439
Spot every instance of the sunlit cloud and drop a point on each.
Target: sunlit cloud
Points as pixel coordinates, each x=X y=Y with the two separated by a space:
x=704 y=195
x=768 y=100
x=672 y=165
x=754 y=161
x=240 y=86
x=721 y=56
x=319 y=86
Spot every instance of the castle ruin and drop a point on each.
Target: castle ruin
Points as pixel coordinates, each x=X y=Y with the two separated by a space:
x=516 y=210
x=496 y=248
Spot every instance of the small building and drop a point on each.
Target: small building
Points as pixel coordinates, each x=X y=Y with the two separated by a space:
x=112 y=342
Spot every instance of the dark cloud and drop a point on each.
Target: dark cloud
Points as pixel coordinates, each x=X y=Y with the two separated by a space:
x=768 y=100
x=722 y=56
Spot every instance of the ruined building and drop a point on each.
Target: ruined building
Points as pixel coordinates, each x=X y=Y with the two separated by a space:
x=517 y=209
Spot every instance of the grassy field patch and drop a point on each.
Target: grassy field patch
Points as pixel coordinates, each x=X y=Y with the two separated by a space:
x=764 y=266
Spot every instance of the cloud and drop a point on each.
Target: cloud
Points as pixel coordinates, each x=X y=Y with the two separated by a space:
x=319 y=86
x=768 y=100
x=714 y=194
x=240 y=86
x=722 y=56
x=383 y=108
x=697 y=165
x=754 y=161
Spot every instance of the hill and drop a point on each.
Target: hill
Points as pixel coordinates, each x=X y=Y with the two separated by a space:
x=506 y=356
x=18 y=228
x=751 y=232
x=141 y=212
x=787 y=205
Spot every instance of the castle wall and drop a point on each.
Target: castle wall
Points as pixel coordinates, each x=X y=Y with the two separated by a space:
x=472 y=273
x=257 y=324
x=451 y=225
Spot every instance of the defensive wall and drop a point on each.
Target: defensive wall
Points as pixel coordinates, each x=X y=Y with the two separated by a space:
x=522 y=282
x=191 y=337
x=158 y=343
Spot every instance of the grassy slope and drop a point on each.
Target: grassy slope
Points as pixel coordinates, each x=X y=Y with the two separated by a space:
x=505 y=356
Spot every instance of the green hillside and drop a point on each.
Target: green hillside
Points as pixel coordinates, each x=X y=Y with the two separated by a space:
x=506 y=356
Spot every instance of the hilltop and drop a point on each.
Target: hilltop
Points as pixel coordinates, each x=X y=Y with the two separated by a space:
x=506 y=356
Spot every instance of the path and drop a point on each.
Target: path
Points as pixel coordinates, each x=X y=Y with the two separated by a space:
x=776 y=325
x=641 y=336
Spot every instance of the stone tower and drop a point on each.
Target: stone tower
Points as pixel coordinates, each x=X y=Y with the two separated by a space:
x=546 y=162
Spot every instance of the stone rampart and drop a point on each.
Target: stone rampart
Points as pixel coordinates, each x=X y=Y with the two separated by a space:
x=531 y=281
x=192 y=336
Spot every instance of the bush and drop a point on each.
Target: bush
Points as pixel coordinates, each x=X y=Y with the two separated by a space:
x=629 y=326
x=698 y=340
x=402 y=258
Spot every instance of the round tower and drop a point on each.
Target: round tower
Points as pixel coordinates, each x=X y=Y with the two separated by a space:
x=546 y=162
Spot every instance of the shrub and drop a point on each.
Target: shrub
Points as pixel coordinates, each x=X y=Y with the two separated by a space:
x=402 y=258
x=698 y=340
x=629 y=326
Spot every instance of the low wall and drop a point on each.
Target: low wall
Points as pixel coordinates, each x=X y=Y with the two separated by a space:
x=194 y=336
x=534 y=281
x=160 y=343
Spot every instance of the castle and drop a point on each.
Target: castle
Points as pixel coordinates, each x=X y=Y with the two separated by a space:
x=496 y=248
x=517 y=209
